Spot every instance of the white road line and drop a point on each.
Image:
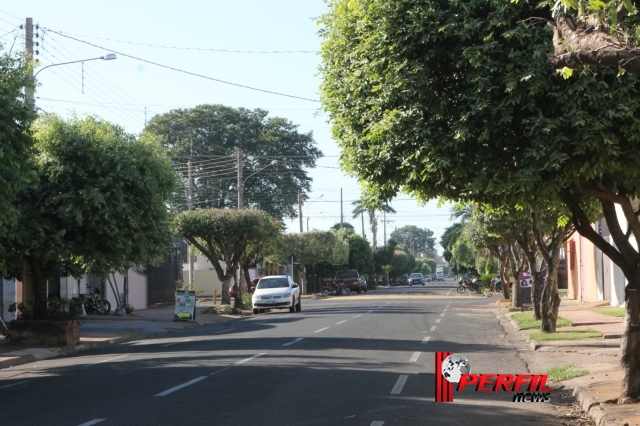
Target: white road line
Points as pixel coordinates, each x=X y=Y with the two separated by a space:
x=449 y=292
x=438 y=320
x=175 y=343
x=341 y=322
x=444 y=310
x=224 y=331
x=92 y=422
x=184 y=385
x=220 y=371
x=322 y=329
x=377 y=423
x=12 y=384
x=250 y=358
x=110 y=359
x=405 y=292
x=415 y=356
x=368 y=312
x=433 y=328
x=357 y=316
x=295 y=341
x=426 y=339
x=442 y=314
x=397 y=389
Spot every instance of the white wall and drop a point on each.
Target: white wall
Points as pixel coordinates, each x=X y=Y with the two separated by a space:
x=137 y=290
x=9 y=297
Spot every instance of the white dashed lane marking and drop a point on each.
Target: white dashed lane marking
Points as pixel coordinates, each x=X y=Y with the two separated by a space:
x=184 y=385
x=357 y=316
x=415 y=356
x=92 y=422
x=341 y=322
x=322 y=329
x=110 y=359
x=426 y=339
x=397 y=389
x=295 y=341
x=250 y=358
x=433 y=328
x=438 y=320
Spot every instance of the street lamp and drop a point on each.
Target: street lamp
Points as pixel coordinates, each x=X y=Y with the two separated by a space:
x=107 y=57
x=241 y=190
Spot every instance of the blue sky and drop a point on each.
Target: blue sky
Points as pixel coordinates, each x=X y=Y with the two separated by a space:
x=120 y=90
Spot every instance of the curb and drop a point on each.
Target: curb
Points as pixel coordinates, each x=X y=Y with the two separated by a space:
x=593 y=408
x=71 y=350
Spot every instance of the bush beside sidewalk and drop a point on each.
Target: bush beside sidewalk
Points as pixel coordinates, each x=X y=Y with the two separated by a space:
x=598 y=390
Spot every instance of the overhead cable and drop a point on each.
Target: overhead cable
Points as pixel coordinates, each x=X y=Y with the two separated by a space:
x=184 y=71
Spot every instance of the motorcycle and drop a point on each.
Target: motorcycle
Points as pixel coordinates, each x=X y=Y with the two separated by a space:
x=335 y=289
x=94 y=303
x=473 y=286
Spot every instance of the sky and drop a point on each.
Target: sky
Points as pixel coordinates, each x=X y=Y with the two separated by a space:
x=221 y=40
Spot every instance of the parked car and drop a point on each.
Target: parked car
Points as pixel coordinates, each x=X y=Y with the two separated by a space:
x=433 y=277
x=416 y=278
x=350 y=278
x=276 y=292
x=253 y=284
x=427 y=278
x=363 y=283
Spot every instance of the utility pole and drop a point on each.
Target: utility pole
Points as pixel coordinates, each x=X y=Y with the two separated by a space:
x=362 y=218
x=240 y=182
x=300 y=209
x=190 y=206
x=28 y=47
x=307 y=223
x=341 y=216
x=384 y=226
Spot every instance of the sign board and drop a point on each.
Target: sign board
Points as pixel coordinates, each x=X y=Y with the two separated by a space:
x=185 y=305
x=526 y=285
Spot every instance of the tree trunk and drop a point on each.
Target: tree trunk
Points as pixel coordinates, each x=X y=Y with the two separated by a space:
x=630 y=355
x=374 y=231
x=225 y=298
x=39 y=275
x=536 y=293
x=550 y=302
x=504 y=277
x=579 y=43
x=237 y=292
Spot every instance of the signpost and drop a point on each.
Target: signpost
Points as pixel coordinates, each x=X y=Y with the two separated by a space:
x=185 y=309
x=526 y=284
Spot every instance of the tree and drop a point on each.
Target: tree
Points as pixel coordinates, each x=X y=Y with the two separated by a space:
x=419 y=240
x=15 y=135
x=343 y=225
x=314 y=249
x=223 y=236
x=99 y=202
x=212 y=135
x=401 y=263
x=360 y=254
x=371 y=207
x=459 y=101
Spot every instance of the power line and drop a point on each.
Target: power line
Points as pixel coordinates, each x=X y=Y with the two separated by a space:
x=184 y=71
x=4 y=11
x=190 y=48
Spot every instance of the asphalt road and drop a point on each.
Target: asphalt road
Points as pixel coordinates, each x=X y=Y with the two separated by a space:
x=365 y=360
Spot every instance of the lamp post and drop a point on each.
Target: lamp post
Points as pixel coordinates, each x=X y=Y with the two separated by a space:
x=30 y=93
x=107 y=57
x=242 y=182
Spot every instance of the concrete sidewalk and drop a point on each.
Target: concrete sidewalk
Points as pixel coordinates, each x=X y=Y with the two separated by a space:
x=599 y=390
x=98 y=331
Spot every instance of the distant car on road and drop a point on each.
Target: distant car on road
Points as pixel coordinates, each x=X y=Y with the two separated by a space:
x=416 y=278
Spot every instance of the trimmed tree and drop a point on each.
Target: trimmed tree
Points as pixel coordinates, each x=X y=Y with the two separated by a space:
x=222 y=236
x=99 y=202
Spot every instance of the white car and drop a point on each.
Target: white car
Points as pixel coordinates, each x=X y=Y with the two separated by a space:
x=276 y=292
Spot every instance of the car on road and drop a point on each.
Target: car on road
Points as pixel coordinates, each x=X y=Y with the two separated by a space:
x=440 y=278
x=363 y=283
x=416 y=278
x=276 y=292
x=433 y=277
x=350 y=278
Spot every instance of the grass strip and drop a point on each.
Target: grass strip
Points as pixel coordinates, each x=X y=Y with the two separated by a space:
x=565 y=372
x=589 y=333
x=614 y=312
x=525 y=321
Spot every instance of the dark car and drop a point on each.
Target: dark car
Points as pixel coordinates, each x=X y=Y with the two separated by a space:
x=351 y=278
x=416 y=278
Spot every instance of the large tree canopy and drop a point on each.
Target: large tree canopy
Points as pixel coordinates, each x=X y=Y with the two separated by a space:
x=457 y=99
x=419 y=240
x=15 y=137
x=212 y=135
x=99 y=201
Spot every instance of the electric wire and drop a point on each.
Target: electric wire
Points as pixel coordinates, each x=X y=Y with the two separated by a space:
x=187 y=72
x=189 y=48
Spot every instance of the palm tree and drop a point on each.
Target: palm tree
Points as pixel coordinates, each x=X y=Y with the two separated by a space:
x=371 y=208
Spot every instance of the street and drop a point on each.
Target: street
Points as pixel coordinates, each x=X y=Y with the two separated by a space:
x=363 y=359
